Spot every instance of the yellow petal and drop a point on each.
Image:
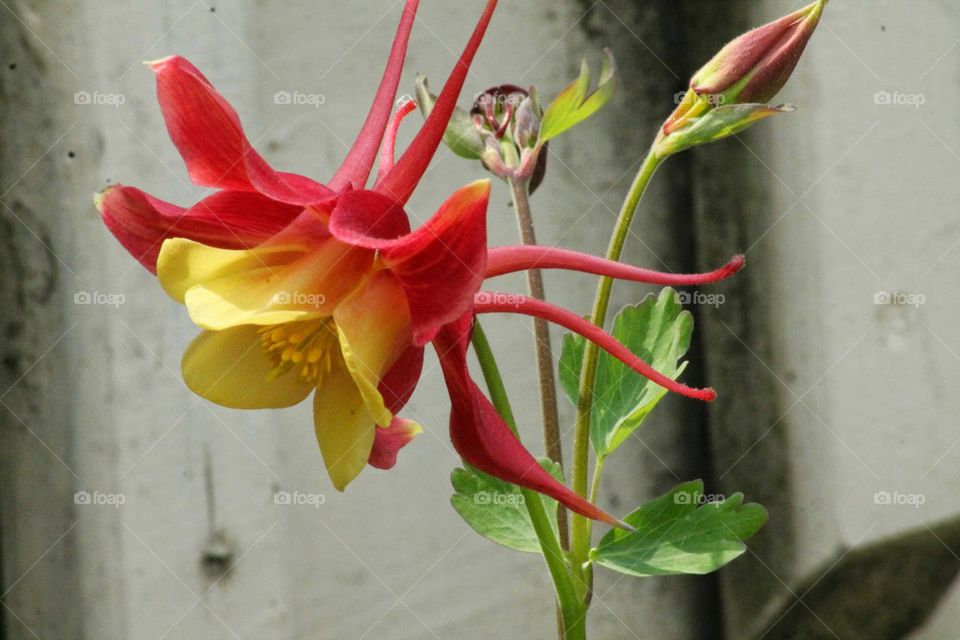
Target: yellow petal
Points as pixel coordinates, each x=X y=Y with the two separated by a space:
x=298 y=286
x=230 y=368
x=374 y=329
x=344 y=428
x=184 y=263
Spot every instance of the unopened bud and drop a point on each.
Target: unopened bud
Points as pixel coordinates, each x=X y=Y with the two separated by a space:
x=755 y=66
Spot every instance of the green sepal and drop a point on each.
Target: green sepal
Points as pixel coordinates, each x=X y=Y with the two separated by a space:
x=574 y=104
x=461 y=135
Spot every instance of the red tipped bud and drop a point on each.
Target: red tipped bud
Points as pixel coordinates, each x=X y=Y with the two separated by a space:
x=755 y=66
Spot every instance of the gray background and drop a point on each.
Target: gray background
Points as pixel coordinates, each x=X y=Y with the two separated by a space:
x=826 y=398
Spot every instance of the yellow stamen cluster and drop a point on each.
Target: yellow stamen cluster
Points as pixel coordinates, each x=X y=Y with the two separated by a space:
x=311 y=346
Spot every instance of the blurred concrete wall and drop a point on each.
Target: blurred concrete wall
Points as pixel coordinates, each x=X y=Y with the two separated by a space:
x=835 y=405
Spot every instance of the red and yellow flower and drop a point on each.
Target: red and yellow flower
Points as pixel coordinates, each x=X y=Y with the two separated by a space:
x=306 y=288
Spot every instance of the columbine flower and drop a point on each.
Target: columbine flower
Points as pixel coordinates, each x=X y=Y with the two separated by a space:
x=303 y=287
x=308 y=288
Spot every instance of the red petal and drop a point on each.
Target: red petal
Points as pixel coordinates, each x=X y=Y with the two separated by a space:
x=388 y=441
x=207 y=132
x=398 y=383
x=440 y=265
x=356 y=166
x=226 y=219
x=402 y=180
x=481 y=436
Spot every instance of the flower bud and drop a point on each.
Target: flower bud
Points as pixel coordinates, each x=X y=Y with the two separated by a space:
x=527 y=118
x=755 y=66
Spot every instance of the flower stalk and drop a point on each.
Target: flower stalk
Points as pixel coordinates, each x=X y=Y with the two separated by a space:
x=519 y=191
x=581 y=528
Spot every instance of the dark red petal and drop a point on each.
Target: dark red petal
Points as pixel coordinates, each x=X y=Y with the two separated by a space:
x=401 y=181
x=359 y=161
x=481 y=436
x=207 y=132
x=388 y=441
x=398 y=383
x=440 y=265
x=495 y=302
x=502 y=260
x=226 y=219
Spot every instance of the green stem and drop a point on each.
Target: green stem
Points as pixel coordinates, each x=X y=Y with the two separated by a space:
x=541 y=331
x=595 y=485
x=581 y=529
x=572 y=611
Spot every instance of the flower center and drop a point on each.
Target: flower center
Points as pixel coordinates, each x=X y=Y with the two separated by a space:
x=311 y=347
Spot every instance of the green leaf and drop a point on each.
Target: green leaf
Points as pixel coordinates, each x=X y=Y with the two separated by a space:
x=718 y=124
x=574 y=104
x=675 y=536
x=657 y=330
x=460 y=135
x=496 y=509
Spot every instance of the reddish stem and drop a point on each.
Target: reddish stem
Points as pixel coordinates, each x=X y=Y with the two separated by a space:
x=503 y=260
x=388 y=152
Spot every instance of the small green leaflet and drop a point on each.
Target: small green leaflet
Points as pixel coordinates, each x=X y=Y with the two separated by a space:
x=657 y=330
x=718 y=124
x=496 y=509
x=674 y=535
x=574 y=104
